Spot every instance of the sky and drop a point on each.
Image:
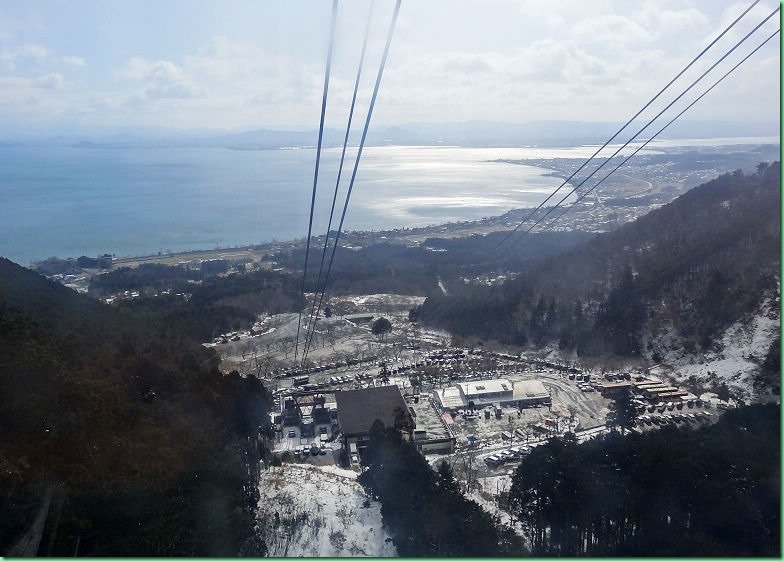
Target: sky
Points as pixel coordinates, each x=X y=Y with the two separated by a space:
x=240 y=65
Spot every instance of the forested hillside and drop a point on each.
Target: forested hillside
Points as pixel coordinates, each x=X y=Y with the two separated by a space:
x=692 y=267
x=425 y=511
x=205 y=309
x=715 y=491
x=120 y=434
x=392 y=267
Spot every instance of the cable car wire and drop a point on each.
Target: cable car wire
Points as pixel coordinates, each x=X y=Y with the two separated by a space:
x=606 y=161
x=730 y=71
x=654 y=98
x=309 y=338
x=390 y=33
x=318 y=159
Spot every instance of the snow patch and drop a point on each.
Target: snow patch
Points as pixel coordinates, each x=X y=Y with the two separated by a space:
x=319 y=511
x=486 y=496
x=737 y=356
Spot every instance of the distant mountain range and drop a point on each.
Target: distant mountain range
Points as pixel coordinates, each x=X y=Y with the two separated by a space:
x=468 y=133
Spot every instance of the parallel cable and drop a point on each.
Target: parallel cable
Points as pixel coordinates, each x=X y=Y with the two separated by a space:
x=447 y=306
x=318 y=158
x=309 y=334
x=359 y=151
x=730 y=71
x=606 y=161
x=654 y=98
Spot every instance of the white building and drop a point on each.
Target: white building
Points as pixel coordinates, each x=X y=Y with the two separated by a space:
x=483 y=393
x=531 y=392
x=487 y=392
x=449 y=398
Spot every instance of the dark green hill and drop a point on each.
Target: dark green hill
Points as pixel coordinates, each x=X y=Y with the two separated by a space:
x=708 y=492
x=136 y=438
x=697 y=265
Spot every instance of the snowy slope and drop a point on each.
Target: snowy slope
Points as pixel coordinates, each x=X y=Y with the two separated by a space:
x=486 y=497
x=318 y=511
x=736 y=357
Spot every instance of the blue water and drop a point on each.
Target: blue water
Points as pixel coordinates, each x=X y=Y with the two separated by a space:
x=75 y=201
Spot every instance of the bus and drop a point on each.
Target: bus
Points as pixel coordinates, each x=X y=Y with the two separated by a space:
x=300 y=380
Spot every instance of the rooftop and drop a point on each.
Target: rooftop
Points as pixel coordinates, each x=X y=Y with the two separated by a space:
x=614 y=385
x=528 y=389
x=359 y=409
x=450 y=398
x=486 y=386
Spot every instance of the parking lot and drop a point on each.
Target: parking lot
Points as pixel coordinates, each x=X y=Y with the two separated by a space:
x=319 y=449
x=503 y=437
x=656 y=420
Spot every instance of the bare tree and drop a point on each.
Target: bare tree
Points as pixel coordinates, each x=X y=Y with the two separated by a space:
x=464 y=464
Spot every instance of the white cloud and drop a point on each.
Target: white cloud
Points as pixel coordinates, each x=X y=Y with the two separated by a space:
x=228 y=80
x=73 y=61
x=23 y=55
x=613 y=29
x=561 y=13
x=160 y=79
x=744 y=26
x=54 y=81
x=568 y=59
x=31 y=53
x=29 y=56
x=663 y=21
x=41 y=96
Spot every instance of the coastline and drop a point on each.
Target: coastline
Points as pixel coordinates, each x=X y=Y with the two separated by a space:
x=361 y=238
x=598 y=213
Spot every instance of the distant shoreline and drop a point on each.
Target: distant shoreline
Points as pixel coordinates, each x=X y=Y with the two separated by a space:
x=244 y=251
x=420 y=202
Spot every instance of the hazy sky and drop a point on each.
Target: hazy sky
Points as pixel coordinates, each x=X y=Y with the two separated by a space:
x=244 y=64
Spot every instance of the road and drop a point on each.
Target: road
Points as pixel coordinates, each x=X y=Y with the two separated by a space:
x=588 y=407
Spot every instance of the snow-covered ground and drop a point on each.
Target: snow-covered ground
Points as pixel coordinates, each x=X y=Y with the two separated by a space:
x=383 y=302
x=318 y=511
x=486 y=497
x=738 y=354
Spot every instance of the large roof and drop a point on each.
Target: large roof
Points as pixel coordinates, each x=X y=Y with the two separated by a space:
x=359 y=409
x=529 y=389
x=450 y=398
x=485 y=387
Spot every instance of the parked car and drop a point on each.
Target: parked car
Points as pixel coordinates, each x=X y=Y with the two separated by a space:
x=493 y=460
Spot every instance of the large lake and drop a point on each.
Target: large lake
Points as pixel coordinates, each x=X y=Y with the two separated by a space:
x=77 y=201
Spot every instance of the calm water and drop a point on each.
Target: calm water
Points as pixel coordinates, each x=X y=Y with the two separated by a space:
x=74 y=201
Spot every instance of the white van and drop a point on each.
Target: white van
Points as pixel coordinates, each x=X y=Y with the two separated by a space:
x=493 y=460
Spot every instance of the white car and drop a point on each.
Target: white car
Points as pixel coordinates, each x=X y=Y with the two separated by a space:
x=494 y=460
